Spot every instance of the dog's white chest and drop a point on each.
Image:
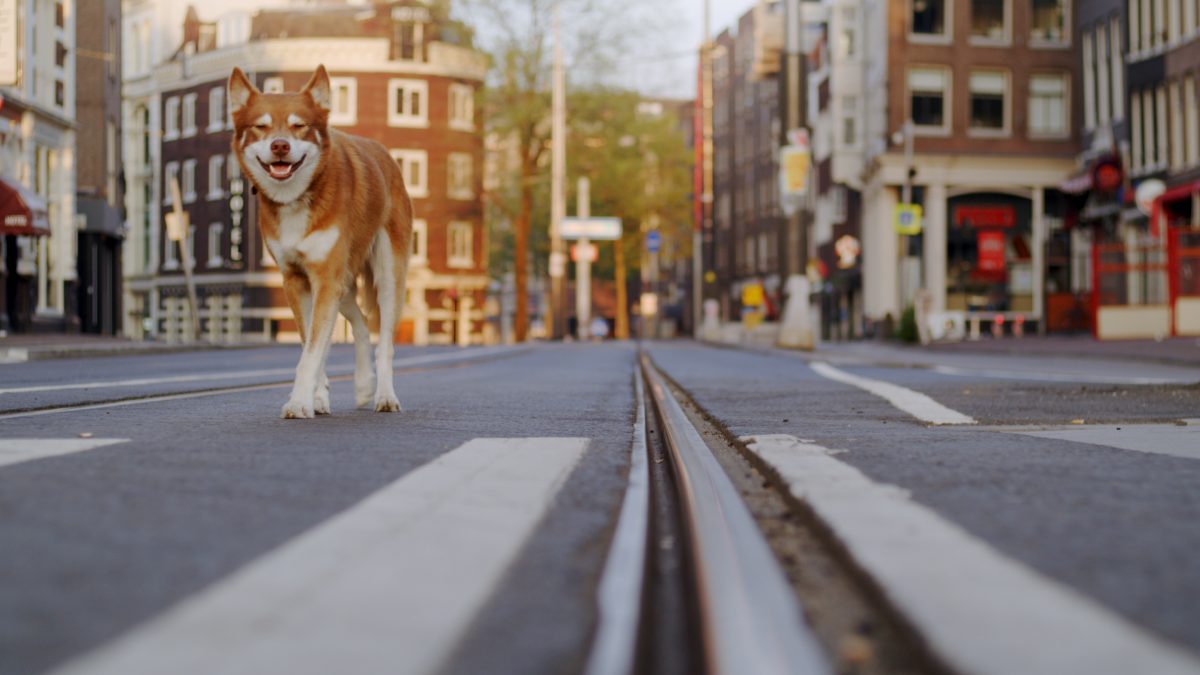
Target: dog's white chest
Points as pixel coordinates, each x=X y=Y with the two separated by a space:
x=295 y=243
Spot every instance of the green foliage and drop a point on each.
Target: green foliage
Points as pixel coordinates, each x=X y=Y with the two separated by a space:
x=907 y=330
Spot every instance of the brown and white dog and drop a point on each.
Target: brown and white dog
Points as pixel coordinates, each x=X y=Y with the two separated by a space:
x=332 y=208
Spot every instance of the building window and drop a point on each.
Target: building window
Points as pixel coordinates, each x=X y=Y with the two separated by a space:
x=215 y=261
x=1103 y=99
x=273 y=85
x=170 y=175
x=60 y=55
x=1137 y=152
x=848 y=34
x=849 y=120
x=1117 y=67
x=410 y=41
x=459 y=245
x=1135 y=23
x=1191 y=109
x=1178 y=142
x=930 y=18
x=170 y=253
x=188 y=181
x=1160 y=96
x=989 y=21
x=407 y=103
x=60 y=94
x=459 y=179
x=189 y=116
x=462 y=107
x=1089 y=82
x=344 y=92
x=988 y=95
x=927 y=89
x=1048 y=105
x=420 y=248
x=216 y=177
x=232 y=168
x=1048 y=22
x=414 y=165
x=60 y=15
x=216 y=109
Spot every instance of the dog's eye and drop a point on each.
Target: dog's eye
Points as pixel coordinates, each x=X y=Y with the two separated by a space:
x=261 y=127
x=299 y=125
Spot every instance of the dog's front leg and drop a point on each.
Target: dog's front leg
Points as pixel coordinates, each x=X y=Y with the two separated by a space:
x=310 y=371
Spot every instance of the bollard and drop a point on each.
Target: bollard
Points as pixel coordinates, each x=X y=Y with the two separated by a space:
x=974 y=335
x=998 y=326
x=1018 y=327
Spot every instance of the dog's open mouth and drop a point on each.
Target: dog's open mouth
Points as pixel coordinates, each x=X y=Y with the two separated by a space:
x=280 y=170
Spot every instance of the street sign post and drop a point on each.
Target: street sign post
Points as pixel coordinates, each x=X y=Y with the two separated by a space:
x=653 y=241
x=584 y=252
x=604 y=229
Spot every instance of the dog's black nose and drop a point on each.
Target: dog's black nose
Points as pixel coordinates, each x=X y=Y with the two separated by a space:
x=280 y=147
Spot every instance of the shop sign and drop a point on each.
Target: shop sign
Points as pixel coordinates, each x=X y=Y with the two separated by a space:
x=991 y=246
x=907 y=219
x=985 y=216
x=795 y=164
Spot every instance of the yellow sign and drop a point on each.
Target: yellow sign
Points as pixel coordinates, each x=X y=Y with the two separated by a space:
x=752 y=295
x=908 y=219
x=795 y=165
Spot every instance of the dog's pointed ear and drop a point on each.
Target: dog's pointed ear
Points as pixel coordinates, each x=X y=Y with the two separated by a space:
x=318 y=89
x=241 y=90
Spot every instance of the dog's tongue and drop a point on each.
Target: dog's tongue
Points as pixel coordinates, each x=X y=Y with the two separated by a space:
x=280 y=169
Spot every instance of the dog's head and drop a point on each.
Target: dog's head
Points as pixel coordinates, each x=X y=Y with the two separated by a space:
x=279 y=138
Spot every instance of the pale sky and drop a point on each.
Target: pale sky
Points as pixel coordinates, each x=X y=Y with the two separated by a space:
x=667 y=68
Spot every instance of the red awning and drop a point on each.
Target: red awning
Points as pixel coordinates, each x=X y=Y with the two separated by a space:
x=22 y=211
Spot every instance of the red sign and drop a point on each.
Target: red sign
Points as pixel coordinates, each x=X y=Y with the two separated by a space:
x=991 y=246
x=985 y=216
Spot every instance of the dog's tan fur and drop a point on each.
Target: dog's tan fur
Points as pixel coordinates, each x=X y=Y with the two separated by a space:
x=332 y=209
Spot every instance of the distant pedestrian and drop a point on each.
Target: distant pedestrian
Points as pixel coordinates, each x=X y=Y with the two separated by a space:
x=599 y=328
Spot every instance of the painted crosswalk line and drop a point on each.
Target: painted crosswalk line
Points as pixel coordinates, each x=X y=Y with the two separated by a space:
x=388 y=586
x=912 y=402
x=978 y=610
x=17 y=450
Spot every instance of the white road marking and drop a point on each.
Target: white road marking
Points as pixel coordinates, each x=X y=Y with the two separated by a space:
x=17 y=450
x=619 y=595
x=978 y=610
x=1161 y=439
x=243 y=374
x=389 y=586
x=912 y=402
x=1046 y=377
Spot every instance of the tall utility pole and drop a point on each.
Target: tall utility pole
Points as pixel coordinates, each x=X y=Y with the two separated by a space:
x=704 y=226
x=583 y=266
x=555 y=310
x=794 y=85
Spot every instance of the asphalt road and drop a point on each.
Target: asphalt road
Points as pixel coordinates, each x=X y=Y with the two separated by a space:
x=101 y=542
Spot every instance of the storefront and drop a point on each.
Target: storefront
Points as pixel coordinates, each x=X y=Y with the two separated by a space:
x=23 y=218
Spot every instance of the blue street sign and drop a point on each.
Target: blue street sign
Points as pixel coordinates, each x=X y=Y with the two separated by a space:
x=653 y=241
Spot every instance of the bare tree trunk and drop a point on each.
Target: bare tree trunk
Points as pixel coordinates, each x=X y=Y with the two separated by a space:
x=521 y=258
x=622 y=327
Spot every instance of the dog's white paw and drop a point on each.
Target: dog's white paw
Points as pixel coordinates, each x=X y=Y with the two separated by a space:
x=387 y=403
x=321 y=402
x=297 y=410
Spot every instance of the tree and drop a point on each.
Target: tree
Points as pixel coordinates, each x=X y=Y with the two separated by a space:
x=518 y=34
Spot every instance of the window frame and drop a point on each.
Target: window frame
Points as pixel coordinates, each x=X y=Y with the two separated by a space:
x=947 y=34
x=947 y=124
x=170 y=173
x=1042 y=43
x=170 y=125
x=465 y=93
x=401 y=118
x=1005 y=40
x=188 y=115
x=405 y=155
x=455 y=259
x=187 y=180
x=349 y=117
x=1065 y=132
x=217 y=110
x=216 y=231
x=1005 y=129
x=454 y=162
x=216 y=188
x=419 y=251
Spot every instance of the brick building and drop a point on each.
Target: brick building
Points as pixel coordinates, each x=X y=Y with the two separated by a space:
x=991 y=92
x=400 y=74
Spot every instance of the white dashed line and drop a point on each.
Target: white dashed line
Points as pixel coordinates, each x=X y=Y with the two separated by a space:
x=912 y=402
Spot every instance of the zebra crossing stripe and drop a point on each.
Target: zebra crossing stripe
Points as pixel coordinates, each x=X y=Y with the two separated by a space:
x=17 y=450
x=388 y=586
